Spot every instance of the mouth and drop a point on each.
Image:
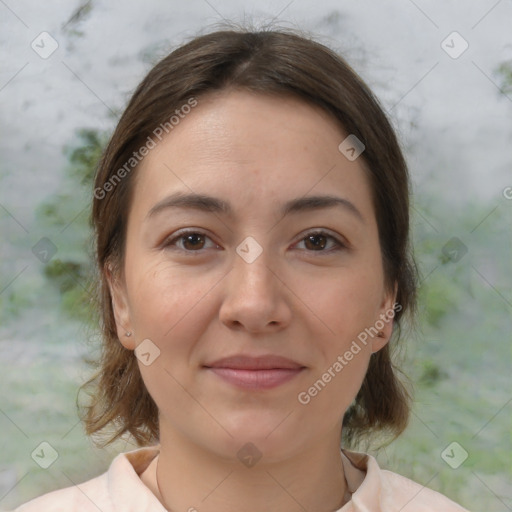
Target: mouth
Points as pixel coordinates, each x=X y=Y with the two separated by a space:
x=255 y=373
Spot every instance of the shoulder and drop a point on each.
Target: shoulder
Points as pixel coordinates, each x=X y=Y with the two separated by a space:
x=381 y=490
x=413 y=496
x=120 y=488
x=88 y=496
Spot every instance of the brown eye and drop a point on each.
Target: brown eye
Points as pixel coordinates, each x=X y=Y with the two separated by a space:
x=318 y=241
x=193 y=241
x=188 y=241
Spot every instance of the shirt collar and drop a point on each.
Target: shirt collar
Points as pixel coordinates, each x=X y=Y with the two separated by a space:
x=123 y=479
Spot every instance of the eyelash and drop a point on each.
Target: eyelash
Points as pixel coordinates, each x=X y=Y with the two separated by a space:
x=168 y=243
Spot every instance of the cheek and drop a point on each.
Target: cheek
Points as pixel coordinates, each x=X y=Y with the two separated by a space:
x=169 y=306
x=172 y=306
x=345 y=308
x=163 y=295
x=345 y=302
x=335 y=388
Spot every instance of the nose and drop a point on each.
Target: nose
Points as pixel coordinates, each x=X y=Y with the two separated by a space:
x=256 y=297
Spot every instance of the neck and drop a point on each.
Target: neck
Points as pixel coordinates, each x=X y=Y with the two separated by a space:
x=187 y=477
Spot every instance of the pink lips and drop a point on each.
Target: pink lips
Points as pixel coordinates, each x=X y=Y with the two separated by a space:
x=255 y=372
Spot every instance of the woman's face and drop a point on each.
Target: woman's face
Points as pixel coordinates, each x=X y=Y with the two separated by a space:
x=252 y=279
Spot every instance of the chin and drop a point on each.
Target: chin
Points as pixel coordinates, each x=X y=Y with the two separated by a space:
x=261 y=433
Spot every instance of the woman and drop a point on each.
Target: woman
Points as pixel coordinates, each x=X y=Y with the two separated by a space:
x=252 y=237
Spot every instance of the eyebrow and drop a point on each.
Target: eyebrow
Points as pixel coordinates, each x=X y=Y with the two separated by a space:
x=207 y=203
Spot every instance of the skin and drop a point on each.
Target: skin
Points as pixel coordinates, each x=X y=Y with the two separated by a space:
x=294 y=300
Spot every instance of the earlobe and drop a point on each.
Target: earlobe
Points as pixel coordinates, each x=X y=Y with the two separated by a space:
x=380 y=341
x=121 y=309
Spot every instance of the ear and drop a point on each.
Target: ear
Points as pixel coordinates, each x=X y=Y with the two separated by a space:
x=120 y=307
x=384 y=323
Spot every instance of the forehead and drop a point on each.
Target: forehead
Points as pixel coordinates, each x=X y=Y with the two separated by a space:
x=253 y=149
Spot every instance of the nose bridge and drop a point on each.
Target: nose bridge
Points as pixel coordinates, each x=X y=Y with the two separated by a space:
x=251 y=266
x=253 y=297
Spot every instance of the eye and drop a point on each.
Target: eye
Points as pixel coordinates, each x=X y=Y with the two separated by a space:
x=189 y=240
x=316 y=241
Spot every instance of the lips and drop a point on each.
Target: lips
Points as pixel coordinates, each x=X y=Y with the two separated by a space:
x=241 y=362
x=262 y=372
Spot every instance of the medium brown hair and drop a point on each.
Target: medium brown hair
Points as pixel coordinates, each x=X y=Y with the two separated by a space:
x=273 y=62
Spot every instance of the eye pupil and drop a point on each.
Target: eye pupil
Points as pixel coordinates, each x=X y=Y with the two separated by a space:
x=317 y=244
x=192 y=238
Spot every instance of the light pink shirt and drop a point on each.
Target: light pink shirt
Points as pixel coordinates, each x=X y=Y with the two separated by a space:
x=120 y=489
